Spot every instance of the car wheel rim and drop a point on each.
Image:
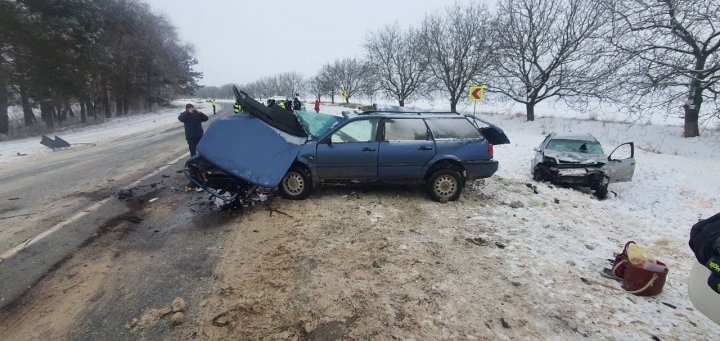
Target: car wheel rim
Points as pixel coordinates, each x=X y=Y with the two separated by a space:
x=445 y=186
x=294 y=183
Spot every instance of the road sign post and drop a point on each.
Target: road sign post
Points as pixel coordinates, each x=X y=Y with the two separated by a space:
x=476 y=94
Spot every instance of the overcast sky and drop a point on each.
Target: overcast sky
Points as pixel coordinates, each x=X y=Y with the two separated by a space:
x=239 y=41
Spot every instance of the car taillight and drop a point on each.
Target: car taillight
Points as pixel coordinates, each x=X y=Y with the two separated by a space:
x=490 y=150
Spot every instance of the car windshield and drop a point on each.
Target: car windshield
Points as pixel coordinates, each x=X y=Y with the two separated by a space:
x=575 y=146
x=316 y=124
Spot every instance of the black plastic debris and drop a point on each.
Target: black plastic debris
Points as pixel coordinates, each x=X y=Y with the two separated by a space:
x=55 y=143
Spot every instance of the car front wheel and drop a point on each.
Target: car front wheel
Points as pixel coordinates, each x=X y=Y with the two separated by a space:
x=296 y=184
x=445 y=185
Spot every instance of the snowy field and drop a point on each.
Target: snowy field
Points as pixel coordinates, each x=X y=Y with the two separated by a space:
x=569 y=235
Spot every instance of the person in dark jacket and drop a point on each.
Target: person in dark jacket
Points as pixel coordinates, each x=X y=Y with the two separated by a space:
x=297 y=105
x=192 y=119
x=288 y=104
x=705 y=243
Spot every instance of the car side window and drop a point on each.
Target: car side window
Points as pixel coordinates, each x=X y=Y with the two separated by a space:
x=356 y=131
x=413 y=129
x=452 y=128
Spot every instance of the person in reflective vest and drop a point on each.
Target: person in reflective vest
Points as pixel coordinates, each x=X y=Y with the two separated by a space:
x=212 y=101
x=237 y=108
x=281 y=104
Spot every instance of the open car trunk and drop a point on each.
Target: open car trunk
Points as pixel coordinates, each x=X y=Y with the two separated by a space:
x=494 y=134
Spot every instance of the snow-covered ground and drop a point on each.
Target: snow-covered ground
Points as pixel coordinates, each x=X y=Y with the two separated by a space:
x=676 y=182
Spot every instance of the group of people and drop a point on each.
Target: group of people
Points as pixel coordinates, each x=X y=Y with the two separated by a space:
x=295 y=104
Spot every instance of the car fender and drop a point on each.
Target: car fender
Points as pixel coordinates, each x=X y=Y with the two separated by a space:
x=439 y=158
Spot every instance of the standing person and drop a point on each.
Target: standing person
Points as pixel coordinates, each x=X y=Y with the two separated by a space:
x=237 y=108
x=297 y=105
x=192 y=119
x=212 y=101
x=288 y=104
x=317 y=105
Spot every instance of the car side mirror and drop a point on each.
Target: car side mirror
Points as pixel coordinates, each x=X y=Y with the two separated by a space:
x=537 y=149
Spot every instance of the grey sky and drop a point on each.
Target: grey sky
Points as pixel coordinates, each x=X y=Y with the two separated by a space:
x=241 y=41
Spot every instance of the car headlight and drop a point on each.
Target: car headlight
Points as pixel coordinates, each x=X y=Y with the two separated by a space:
x=549 y=160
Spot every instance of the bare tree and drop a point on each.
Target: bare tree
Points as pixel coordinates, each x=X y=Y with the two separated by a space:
x=457 y=46
x=397 y=62
x=290 y=83
x=319 y=86
x=675 y=49
x=551 y=48
x=347 y=75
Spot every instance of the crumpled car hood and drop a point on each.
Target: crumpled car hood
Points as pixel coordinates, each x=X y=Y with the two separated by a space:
x=579 y=158
x=248 y=148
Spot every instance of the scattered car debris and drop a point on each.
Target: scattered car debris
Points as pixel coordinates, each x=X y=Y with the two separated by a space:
x=477 y=241
x=504 y=323
x=153 y=199
x=125 y=194
x=132 y=219
x=556 y=200
x=20 y=154
x=53 y=144
x=670 y=305
x=11 y=199
x=500 y=245
x=532 y=187
x=165 y=176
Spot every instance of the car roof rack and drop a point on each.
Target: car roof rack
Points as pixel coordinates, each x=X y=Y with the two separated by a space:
x=368 y=112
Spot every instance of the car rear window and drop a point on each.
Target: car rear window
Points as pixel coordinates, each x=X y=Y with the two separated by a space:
x=405 y=130
x=452 y=128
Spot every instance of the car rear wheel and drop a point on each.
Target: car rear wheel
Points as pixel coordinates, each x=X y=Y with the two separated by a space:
x=296 y=184
x=445 y=185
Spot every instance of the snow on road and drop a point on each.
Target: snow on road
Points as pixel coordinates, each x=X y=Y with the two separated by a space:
x=117 y=127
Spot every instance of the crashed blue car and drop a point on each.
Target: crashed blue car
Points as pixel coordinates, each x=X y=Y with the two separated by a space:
x=296 y=151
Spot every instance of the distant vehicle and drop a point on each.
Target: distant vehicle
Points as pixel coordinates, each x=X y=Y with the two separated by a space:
x=295 y=151
x=578 y=160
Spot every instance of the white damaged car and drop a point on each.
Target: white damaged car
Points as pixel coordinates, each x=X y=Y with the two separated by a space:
x=578 y=160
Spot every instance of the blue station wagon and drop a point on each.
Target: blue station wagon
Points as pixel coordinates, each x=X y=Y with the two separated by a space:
x=296 y=151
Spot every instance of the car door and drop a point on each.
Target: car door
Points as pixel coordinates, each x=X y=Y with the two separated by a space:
x=404 y=149
x=349 y=152
x=621 y=163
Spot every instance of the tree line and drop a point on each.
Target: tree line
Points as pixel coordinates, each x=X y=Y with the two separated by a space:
x=84 y=59
x=648 y=56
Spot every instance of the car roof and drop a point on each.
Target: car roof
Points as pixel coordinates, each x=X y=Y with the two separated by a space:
x=407 y=114
x=573 y=136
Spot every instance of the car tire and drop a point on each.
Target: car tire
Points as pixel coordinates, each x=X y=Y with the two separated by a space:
x=601 y=191
x=296 y=184
x=540 y=174
x=445 y=185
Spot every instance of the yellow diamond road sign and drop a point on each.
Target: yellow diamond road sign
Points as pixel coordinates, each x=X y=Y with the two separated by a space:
x=476 y=93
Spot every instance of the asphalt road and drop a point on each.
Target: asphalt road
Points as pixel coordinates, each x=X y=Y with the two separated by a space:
x=51 y=206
